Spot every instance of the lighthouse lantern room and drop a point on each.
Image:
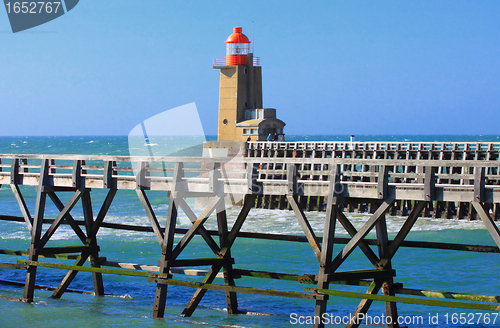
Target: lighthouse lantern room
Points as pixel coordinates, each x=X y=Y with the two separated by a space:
x=241 y=114
x=237 y=48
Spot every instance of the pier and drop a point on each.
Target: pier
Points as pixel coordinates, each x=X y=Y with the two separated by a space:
x=448 y=180
x=380 y=150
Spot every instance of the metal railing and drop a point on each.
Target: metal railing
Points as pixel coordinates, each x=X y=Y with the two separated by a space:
x=221 y=61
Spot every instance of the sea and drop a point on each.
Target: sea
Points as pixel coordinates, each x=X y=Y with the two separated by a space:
x=129 y=300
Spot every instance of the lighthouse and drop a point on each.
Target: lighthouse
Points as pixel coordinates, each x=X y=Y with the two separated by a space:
x=237 y=48
x=241 y=112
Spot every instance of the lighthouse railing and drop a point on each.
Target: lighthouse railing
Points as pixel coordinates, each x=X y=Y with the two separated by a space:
x=221 y=61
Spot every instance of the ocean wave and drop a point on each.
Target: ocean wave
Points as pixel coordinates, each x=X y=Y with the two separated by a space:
x=281 y=222
x=126 y=296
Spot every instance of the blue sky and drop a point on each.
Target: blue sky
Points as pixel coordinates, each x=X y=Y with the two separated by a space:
x=329 y=67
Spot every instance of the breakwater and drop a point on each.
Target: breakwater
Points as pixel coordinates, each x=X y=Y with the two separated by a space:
x=435 y=151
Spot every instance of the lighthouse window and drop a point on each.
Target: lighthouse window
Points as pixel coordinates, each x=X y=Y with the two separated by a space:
x=250 y=131
x=250 y=114
x=237 y=48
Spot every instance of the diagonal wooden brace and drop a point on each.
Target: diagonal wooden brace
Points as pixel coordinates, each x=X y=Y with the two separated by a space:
x=196 y=226
x=367 y=227
x=151 y=215
x=22 y=205
x=64 y=214
x=102 y=213
x=201 y=230
x=226 y=248
x=306 y=227
x=351 y=230
x=403 y=232
x=488 y=222
x=63 y=286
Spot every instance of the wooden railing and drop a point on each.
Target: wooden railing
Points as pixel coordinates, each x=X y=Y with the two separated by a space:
x=378 y=146
x=441 y=180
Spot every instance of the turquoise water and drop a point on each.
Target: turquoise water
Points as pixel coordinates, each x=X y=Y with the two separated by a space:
x=130 y=299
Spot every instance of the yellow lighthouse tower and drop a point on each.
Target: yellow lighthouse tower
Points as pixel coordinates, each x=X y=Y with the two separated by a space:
x=241 y=114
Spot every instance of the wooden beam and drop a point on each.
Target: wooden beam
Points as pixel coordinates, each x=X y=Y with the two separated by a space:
x=108 y=179
x=201 y=230
x=168 y=242
x=387 y=285
x=246 y=290
x=363 y=244
x=14 y=171
x=141 y=181
x=403 y=232
x=328 y=241
x=231 y=298
x=249 y=200
x=488 y=222
x=291 y=177
x=76 y=175
x=304 y=224
x=383 y=182
x=92 y=241
x=64 y=214
x=13 y=266
x=367 y=227
x=66 y=249
x=59 y=291
x=479 y=182
x=102 y=213
x=196 y=226
x=213 y=177
x=360 y=274
x=200 y=292
x=151 y=215
x=71 y=221
x=92 y=269
x=199 y=262
x=225 y=249
x=22 y=205
x=409 y=300
x=36 y=232
x=252 y=176
x=364 y=305
x=429 y=184
x=451 y=295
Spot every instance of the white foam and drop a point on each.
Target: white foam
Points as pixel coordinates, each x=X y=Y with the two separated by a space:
x=259 y=221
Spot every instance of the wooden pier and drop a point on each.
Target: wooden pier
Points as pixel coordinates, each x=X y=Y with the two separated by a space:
x=418 y=177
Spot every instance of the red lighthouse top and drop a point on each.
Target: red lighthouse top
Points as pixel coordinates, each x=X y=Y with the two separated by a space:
x=237 y=36
x=237 y=48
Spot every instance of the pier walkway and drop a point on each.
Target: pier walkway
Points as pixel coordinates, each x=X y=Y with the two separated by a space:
x=377 y=175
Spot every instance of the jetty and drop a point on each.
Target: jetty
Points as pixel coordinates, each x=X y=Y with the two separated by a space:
x=457 y=180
